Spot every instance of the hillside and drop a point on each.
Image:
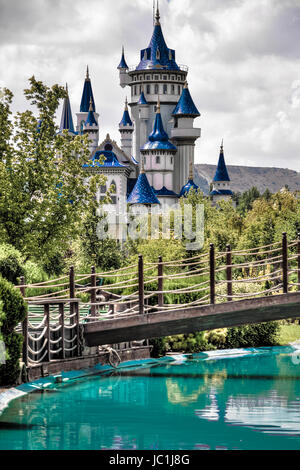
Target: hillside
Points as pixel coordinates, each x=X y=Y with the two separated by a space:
x=245 y=177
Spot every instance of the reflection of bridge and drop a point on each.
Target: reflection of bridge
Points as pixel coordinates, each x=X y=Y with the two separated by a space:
x=147 y=300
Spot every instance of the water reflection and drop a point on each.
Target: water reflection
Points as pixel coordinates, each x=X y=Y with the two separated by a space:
x=249 y=402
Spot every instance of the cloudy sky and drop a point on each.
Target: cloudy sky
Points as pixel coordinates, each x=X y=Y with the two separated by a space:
x=243 y=58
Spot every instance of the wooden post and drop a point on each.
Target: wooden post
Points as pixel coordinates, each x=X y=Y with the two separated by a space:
x=77 y=329
x=141 y=285
x=62 y=324
x=24 y=326
x=48 y=333
x=285 y=263
x=72 y=292
x=212 y=272
x=160 y=273
x=229 y=273
x=93 y=291
x=298 y=251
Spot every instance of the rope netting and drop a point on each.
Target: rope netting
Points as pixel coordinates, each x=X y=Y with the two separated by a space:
x=161 y=287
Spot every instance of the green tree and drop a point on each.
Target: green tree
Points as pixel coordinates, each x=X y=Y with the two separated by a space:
x=44 y=189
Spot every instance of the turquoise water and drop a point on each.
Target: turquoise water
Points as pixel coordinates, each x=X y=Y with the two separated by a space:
x=250 y=401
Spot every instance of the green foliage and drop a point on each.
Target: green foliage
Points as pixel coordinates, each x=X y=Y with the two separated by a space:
x=44 y=191
x=13 y=311
x=11 y=263
x=257 y=335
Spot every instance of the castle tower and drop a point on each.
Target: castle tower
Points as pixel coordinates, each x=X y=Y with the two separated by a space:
x=91 y=128
x=157 y=156
x=126 y=129
x=86 y=99
x=66 y=122
x=184 y=136
x=221 y=182
x=156 y=74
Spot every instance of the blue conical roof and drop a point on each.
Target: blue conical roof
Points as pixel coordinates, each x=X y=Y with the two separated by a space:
x=158 y=139
x=66 y=117
x=142 y=192
x=221 y=173
x=142 y=99
x=91 y=121
x=188 y=187
x=186 y=105
x=87 y=96
x=157 y=54
x=123 y=64
x=126 y=121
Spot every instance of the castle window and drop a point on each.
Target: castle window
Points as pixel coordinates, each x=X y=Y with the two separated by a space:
x=171 y=160
x=134 y=90
x=172 y=77
x=148 y=89
x=103 y=189
x=165 y=77
x=165 y=89
x=156 y=77
x=148 y=77
x=157 y=54
x=113 y=192
x=157 y=160
x=156 y=90
x=173 y=89
x=179 y=89
x=178 y=77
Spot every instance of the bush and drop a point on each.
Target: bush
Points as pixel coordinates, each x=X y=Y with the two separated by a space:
x=257 y=335
x=11 y=263
x=14 y=310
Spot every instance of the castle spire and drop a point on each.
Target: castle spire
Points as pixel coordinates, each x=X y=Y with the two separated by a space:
x=157 y=15
x=66 y=117
x=123 y=64
x=87 y=95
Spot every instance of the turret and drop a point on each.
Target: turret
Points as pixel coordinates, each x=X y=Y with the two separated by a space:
x=86 y=100
x=91 y=127
x=158 y=155
x=66 y=122
x=126 y=129
x=123 y=71
x=184 y=135
x=221 y=182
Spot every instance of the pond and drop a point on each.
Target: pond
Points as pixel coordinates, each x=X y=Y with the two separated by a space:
x=243 y=399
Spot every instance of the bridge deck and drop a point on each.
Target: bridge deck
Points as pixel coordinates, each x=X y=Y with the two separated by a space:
x=193 y=319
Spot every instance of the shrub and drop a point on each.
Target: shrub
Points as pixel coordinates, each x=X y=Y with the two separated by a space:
x=14 y=310
x=257 y=335
x=11 y=263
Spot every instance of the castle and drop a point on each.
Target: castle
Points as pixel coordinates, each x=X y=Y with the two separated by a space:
x=154 y=164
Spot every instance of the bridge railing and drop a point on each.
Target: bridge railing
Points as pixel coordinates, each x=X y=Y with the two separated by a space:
x=57 y=307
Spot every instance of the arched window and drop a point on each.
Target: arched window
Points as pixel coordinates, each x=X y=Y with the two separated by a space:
x=157 y=54
x=157 y=160
x=156 y=89
x=165 y=89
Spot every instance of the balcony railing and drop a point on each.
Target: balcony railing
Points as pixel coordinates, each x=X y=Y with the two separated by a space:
x=182 y=68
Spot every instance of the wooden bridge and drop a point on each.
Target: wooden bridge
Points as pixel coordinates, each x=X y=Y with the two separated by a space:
x=149 y=300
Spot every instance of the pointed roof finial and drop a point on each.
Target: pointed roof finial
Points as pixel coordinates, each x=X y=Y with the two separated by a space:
x=222 y=145
x=191 y=175
x=87 y=73
x=157 y=15
x=158 y=106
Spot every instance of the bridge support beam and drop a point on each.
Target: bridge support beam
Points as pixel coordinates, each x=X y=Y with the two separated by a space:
x=285 y=263
x=141 y=285
x=212 y=273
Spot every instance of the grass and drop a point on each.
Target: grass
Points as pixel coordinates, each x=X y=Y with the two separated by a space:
x=289 y=334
